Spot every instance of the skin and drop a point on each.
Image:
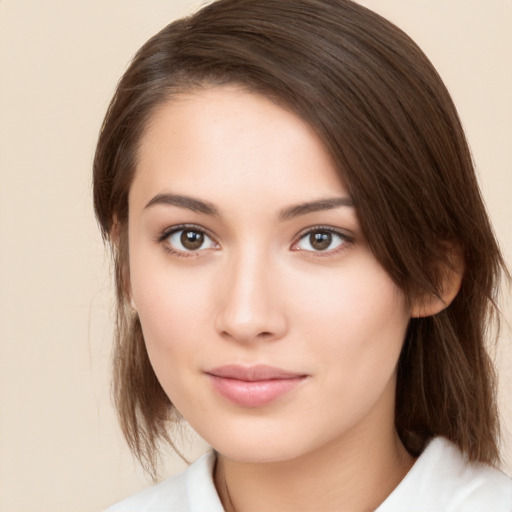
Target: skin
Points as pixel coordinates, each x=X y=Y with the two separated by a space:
x=257 y=291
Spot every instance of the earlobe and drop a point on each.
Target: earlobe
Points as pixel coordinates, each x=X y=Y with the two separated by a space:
x=431 y=304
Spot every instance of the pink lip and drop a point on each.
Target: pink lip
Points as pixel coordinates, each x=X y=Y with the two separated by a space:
x=253 y=386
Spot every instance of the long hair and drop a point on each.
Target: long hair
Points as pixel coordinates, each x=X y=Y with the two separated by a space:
x=386 y=118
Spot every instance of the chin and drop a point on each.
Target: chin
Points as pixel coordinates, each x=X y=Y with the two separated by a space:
x=267 y=447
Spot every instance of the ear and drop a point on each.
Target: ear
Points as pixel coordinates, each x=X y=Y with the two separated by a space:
x=452 y=271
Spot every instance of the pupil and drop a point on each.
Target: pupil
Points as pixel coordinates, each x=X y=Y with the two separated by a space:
x=320 y=240
x=192 y=240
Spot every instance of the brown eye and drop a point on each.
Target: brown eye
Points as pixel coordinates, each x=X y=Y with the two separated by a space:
x=191 y=240
x=321 y=240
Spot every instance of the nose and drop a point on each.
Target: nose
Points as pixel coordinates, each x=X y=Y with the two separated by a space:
x=250 y=306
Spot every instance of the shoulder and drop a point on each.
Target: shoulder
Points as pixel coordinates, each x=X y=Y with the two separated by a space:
x=165 y=496
x=443 y=479
x=192 y=490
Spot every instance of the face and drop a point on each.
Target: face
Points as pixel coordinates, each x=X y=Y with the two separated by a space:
x=267 y=319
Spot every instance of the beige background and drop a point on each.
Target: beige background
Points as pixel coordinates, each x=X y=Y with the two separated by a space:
x=60 y=448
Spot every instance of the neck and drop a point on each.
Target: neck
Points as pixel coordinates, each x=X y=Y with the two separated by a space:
x=355 y=473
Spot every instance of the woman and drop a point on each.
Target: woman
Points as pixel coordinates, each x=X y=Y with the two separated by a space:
x=305 y=270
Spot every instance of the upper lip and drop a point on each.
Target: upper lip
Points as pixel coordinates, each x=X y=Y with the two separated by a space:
x=252 y=373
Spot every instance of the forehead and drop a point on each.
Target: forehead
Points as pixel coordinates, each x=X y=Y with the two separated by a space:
x=224 y=141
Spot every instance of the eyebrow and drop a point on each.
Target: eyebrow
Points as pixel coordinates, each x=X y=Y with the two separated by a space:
x=196 y=205
x=288 y=213
x=314 y=206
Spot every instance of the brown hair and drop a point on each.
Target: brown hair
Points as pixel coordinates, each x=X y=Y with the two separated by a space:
x=392 y=130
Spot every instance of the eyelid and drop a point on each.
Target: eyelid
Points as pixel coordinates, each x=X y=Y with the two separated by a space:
x=166 y=233
x=346 y=237
x=181 y=227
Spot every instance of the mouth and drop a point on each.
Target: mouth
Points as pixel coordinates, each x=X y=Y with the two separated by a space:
x=253 y=386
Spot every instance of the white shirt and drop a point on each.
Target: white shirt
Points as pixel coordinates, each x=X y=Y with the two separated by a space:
x=441 y=480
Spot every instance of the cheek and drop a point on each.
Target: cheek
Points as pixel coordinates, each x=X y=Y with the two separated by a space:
x=355 y=329
x=171 y=309
x=169 y=301
x=358 y=320
x=171 y=314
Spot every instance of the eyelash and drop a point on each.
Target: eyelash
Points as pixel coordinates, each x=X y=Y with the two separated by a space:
x=344 y=241
x=164 y=237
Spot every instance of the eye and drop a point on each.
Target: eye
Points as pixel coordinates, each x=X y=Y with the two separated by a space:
x=320 y=240
x=188 y=239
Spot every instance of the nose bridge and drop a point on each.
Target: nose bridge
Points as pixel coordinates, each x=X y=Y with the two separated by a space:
x=250 y=307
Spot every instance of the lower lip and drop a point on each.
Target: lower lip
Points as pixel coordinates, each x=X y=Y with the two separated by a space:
x=254 y=393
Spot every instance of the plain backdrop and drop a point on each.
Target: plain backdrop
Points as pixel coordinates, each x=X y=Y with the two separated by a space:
x=60 y=446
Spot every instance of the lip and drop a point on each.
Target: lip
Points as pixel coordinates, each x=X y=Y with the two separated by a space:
x=253 y=386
